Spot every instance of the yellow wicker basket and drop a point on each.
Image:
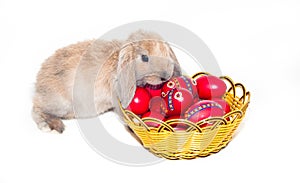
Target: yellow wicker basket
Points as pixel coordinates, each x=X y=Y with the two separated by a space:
x=164 y=141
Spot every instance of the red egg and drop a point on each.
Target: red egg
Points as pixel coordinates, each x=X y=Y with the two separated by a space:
x=177 y=126
x=155 y=104
x=202 y=110
x=140 y=101
x=210 y=87
x=177 y=101
x=196 y=99
x=180 y=82
x=206 y=125
x=175 y=117
x=224 y=104
x=154 y=90
x=153 y=115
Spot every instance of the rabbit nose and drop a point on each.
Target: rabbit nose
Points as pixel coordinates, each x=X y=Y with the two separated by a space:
x=163 y=79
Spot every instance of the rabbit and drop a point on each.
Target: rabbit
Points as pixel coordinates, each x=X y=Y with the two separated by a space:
x=86 y=79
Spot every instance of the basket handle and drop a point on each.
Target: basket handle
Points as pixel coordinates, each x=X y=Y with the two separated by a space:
x=232 y=85
x=236 y=114
x=199 y=74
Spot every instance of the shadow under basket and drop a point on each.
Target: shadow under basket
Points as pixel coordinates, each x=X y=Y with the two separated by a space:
x=164 y=141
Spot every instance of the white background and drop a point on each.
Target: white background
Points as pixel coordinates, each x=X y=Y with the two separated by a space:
x=255 y=42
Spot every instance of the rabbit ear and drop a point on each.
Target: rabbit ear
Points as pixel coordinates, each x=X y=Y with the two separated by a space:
x=177 y=68
x=126 y=80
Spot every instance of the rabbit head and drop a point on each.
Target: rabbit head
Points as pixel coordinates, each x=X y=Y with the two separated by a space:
x=144 y=59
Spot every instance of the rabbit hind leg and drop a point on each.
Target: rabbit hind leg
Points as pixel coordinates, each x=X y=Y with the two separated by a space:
x=47 y=122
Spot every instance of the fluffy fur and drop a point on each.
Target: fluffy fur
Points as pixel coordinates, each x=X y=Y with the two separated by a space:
x=89 y=78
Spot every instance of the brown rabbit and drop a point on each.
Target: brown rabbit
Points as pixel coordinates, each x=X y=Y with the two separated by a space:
x=89 y=78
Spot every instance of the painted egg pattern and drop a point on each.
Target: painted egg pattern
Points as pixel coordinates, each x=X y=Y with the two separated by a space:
x=180 y=82
x=202 y=110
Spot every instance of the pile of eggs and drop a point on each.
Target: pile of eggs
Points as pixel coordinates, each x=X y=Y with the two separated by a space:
x=181 y=98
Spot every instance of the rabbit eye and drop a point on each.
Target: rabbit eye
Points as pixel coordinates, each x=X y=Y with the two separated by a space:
x=145 y=58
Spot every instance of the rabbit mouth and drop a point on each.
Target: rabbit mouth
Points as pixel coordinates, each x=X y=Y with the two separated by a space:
x=154 y=87
x=152 y=81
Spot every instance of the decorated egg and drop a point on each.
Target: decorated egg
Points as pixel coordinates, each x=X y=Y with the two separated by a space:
x=180 y=82
x=202 y=110
x=177 y=101
x=155 y=115
x=210 y=87
x=154 y=90
x=224 y=104
x=140 y=101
